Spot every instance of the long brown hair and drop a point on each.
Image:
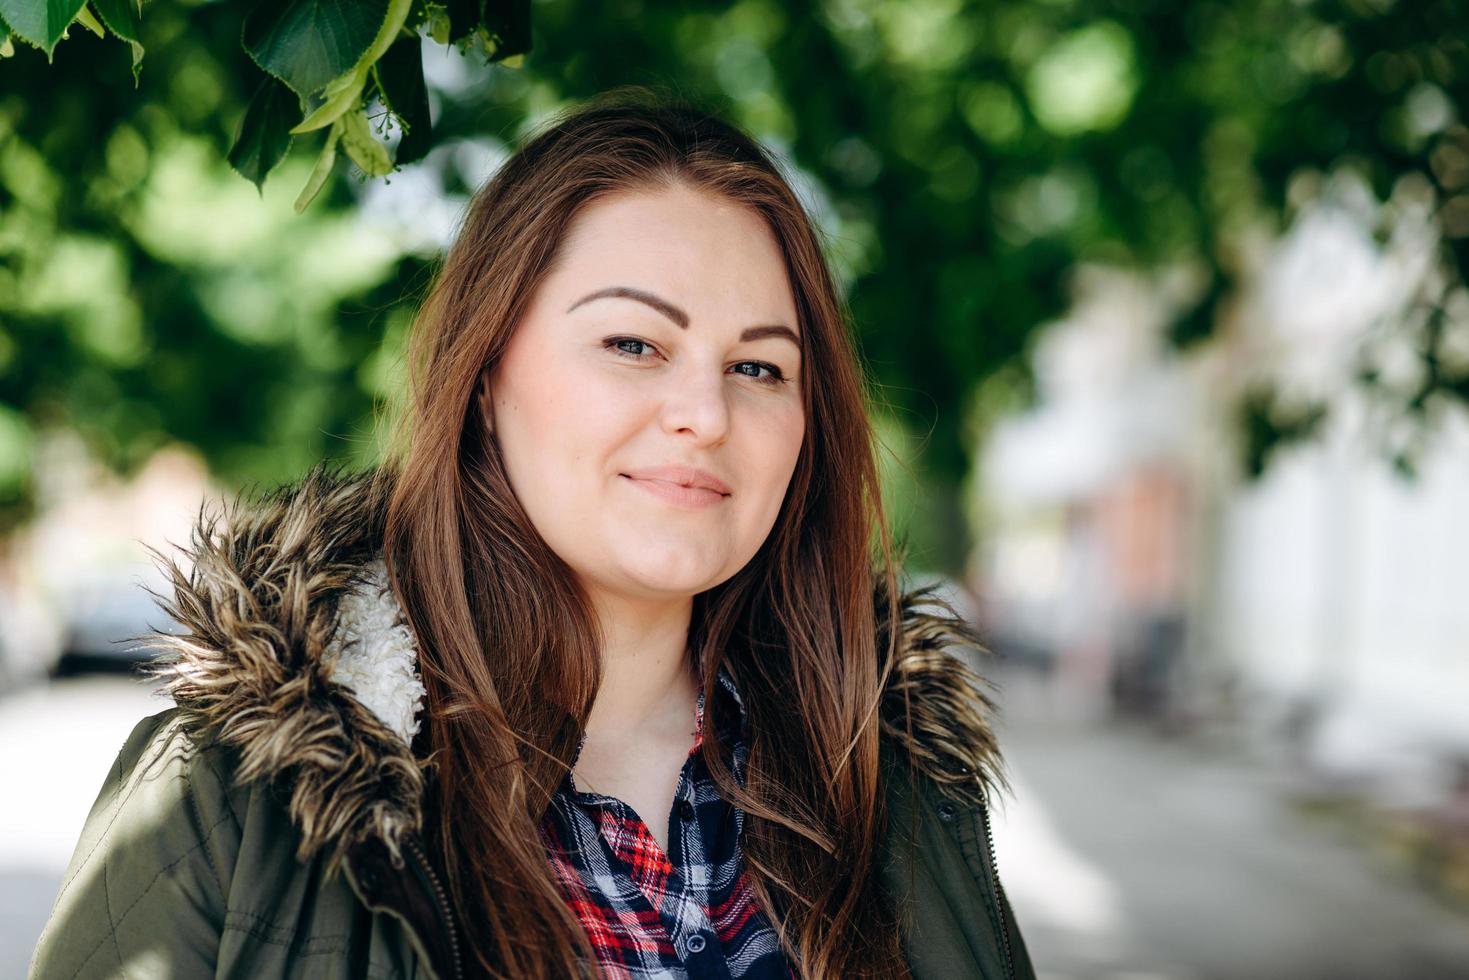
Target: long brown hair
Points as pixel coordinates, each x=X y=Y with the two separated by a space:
x=510 y=647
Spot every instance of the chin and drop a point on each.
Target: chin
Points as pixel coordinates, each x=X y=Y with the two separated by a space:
x=669 y=586
x=666 y=579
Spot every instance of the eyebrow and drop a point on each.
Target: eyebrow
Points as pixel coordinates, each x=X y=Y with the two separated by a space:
x=681 y=318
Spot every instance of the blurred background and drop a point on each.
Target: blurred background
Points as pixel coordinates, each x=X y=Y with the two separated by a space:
x=1166 y=308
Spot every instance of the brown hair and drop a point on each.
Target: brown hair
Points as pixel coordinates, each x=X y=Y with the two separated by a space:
x=510 y=649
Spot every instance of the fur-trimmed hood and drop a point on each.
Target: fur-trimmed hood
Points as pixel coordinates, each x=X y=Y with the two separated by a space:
x=296 y=653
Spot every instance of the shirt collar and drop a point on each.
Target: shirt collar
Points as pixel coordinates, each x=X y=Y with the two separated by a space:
x=735 y=723
x=726 y=680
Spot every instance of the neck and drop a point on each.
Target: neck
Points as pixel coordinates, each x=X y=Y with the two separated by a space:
x=648 y=682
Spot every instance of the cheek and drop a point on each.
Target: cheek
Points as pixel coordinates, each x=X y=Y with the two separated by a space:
x=573 y=428
x=786 y=436
x=567 y=430
x=771 y=452
x=549 y=392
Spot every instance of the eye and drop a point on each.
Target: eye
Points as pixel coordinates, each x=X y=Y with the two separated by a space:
x=776 y=375
x=618 y=346
x=615 y=345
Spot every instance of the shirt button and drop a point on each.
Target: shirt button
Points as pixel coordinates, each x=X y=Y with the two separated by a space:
x=695 y=943
x=686 y=809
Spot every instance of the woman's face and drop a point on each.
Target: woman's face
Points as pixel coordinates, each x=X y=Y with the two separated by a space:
x=654 y=349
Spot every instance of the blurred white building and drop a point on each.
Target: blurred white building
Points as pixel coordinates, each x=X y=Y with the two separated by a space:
x=1325 y=600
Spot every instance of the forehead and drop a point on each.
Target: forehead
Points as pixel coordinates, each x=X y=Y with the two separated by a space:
x=700 y=249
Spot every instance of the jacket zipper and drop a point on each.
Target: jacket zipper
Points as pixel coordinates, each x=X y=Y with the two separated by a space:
x=989 y=851
x=446 y=914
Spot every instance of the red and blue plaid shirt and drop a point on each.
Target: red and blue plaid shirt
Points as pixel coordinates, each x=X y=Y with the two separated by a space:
x=688 y=913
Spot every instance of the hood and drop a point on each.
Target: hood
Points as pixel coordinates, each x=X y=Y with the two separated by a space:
x=296 y=654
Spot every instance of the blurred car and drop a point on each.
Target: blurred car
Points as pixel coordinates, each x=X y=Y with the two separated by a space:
x=107 y=626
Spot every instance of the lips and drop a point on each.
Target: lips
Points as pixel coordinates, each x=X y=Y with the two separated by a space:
x=685 y=487
x=682 y=476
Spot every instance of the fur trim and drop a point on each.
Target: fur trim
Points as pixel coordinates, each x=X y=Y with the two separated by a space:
x=376 y=656
x=950 y=739
x=254 y=668
x=297 y=654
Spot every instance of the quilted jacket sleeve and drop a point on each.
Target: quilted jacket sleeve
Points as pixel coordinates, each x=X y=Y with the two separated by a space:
x=144 y=892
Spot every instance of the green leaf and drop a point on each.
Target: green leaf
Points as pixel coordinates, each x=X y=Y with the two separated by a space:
x=41 y=22
x=400 y=78
x=340 y=95
x=438 y=23
x=265 y=131
x=323 y=169
x=307 y=43
x=90 y=22
x=370 y=155
x=345 y=92
x=122 y=19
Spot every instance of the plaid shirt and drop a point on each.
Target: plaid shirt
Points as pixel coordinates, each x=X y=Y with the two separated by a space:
x=687 y=914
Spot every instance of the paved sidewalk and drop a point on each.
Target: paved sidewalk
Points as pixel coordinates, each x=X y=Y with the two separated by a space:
x=1129 y=857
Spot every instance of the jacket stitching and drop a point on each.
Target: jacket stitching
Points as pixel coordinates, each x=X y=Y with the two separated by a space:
x=199 y=820
x=321 y=945
x=260 y=933
x=311 y=946
x=266 y=924
x=113 y=923
x=315 y=946
x=224 y=785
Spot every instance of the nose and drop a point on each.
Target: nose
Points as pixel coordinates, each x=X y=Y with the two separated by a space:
x=697 y=403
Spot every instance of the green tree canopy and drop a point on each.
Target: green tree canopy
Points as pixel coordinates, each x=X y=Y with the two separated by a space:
x=961 y=157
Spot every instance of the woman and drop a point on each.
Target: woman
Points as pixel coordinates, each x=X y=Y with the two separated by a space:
x=597 y=674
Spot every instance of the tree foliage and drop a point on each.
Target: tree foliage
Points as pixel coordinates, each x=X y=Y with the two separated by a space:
x=962 y=158
x=323 y=65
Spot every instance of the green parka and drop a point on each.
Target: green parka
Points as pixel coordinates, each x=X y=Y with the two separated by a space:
x=268 y=823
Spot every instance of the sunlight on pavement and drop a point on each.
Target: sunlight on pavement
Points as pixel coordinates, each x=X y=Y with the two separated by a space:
x=1059 y=886
x=59 y=741
x=1063 y=899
